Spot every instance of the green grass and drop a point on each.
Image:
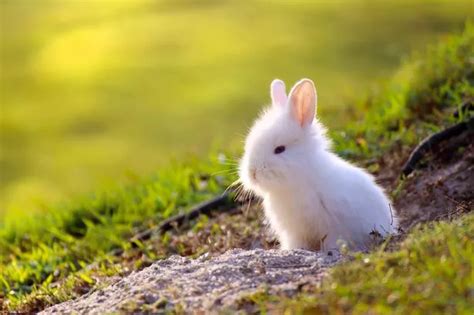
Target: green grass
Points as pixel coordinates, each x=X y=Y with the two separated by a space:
x=94 y=90
x=419 y=100
x=37 y=249
x=430 y=272
x=55 y=245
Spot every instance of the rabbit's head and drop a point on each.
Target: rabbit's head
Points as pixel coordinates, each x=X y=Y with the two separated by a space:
x=280 y=147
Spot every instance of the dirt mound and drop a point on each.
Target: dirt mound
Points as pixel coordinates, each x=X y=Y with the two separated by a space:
x=442 y=187
x=205 y=283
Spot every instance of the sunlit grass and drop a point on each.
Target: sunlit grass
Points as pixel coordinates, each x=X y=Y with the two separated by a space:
x=39 y=248
x=421 y=98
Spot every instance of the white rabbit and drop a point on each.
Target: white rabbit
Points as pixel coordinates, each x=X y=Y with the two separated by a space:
x=312 y=198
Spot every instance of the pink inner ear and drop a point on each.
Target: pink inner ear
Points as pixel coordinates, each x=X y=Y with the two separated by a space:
x=278 y=92
x=303 y=102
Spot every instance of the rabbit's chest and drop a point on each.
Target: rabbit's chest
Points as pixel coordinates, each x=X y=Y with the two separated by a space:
x=301 y=215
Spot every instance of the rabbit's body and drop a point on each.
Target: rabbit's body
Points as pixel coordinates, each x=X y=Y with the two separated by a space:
x=344 y=203
x=312 y=197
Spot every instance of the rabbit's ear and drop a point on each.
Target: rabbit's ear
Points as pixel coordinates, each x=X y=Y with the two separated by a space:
x=303 y=102
x=278 y=93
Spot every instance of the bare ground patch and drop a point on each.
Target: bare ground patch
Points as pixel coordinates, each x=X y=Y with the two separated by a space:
x=205 y=283
x=443 y=187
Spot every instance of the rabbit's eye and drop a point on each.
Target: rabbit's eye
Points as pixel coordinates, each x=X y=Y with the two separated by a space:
x=279 y=149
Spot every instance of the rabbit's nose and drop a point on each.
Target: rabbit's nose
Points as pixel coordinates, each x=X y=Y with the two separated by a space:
x=253 y=173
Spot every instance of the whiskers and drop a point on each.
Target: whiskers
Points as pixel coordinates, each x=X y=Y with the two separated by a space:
x=231 y=168
x=233 y=172
x=242 y=196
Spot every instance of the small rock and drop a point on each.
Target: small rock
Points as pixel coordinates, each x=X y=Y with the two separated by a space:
x=150 y=299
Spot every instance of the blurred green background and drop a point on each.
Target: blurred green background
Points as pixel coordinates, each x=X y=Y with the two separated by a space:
x=94 y=92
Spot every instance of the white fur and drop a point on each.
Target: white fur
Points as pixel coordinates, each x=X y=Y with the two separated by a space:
x=312 y=197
